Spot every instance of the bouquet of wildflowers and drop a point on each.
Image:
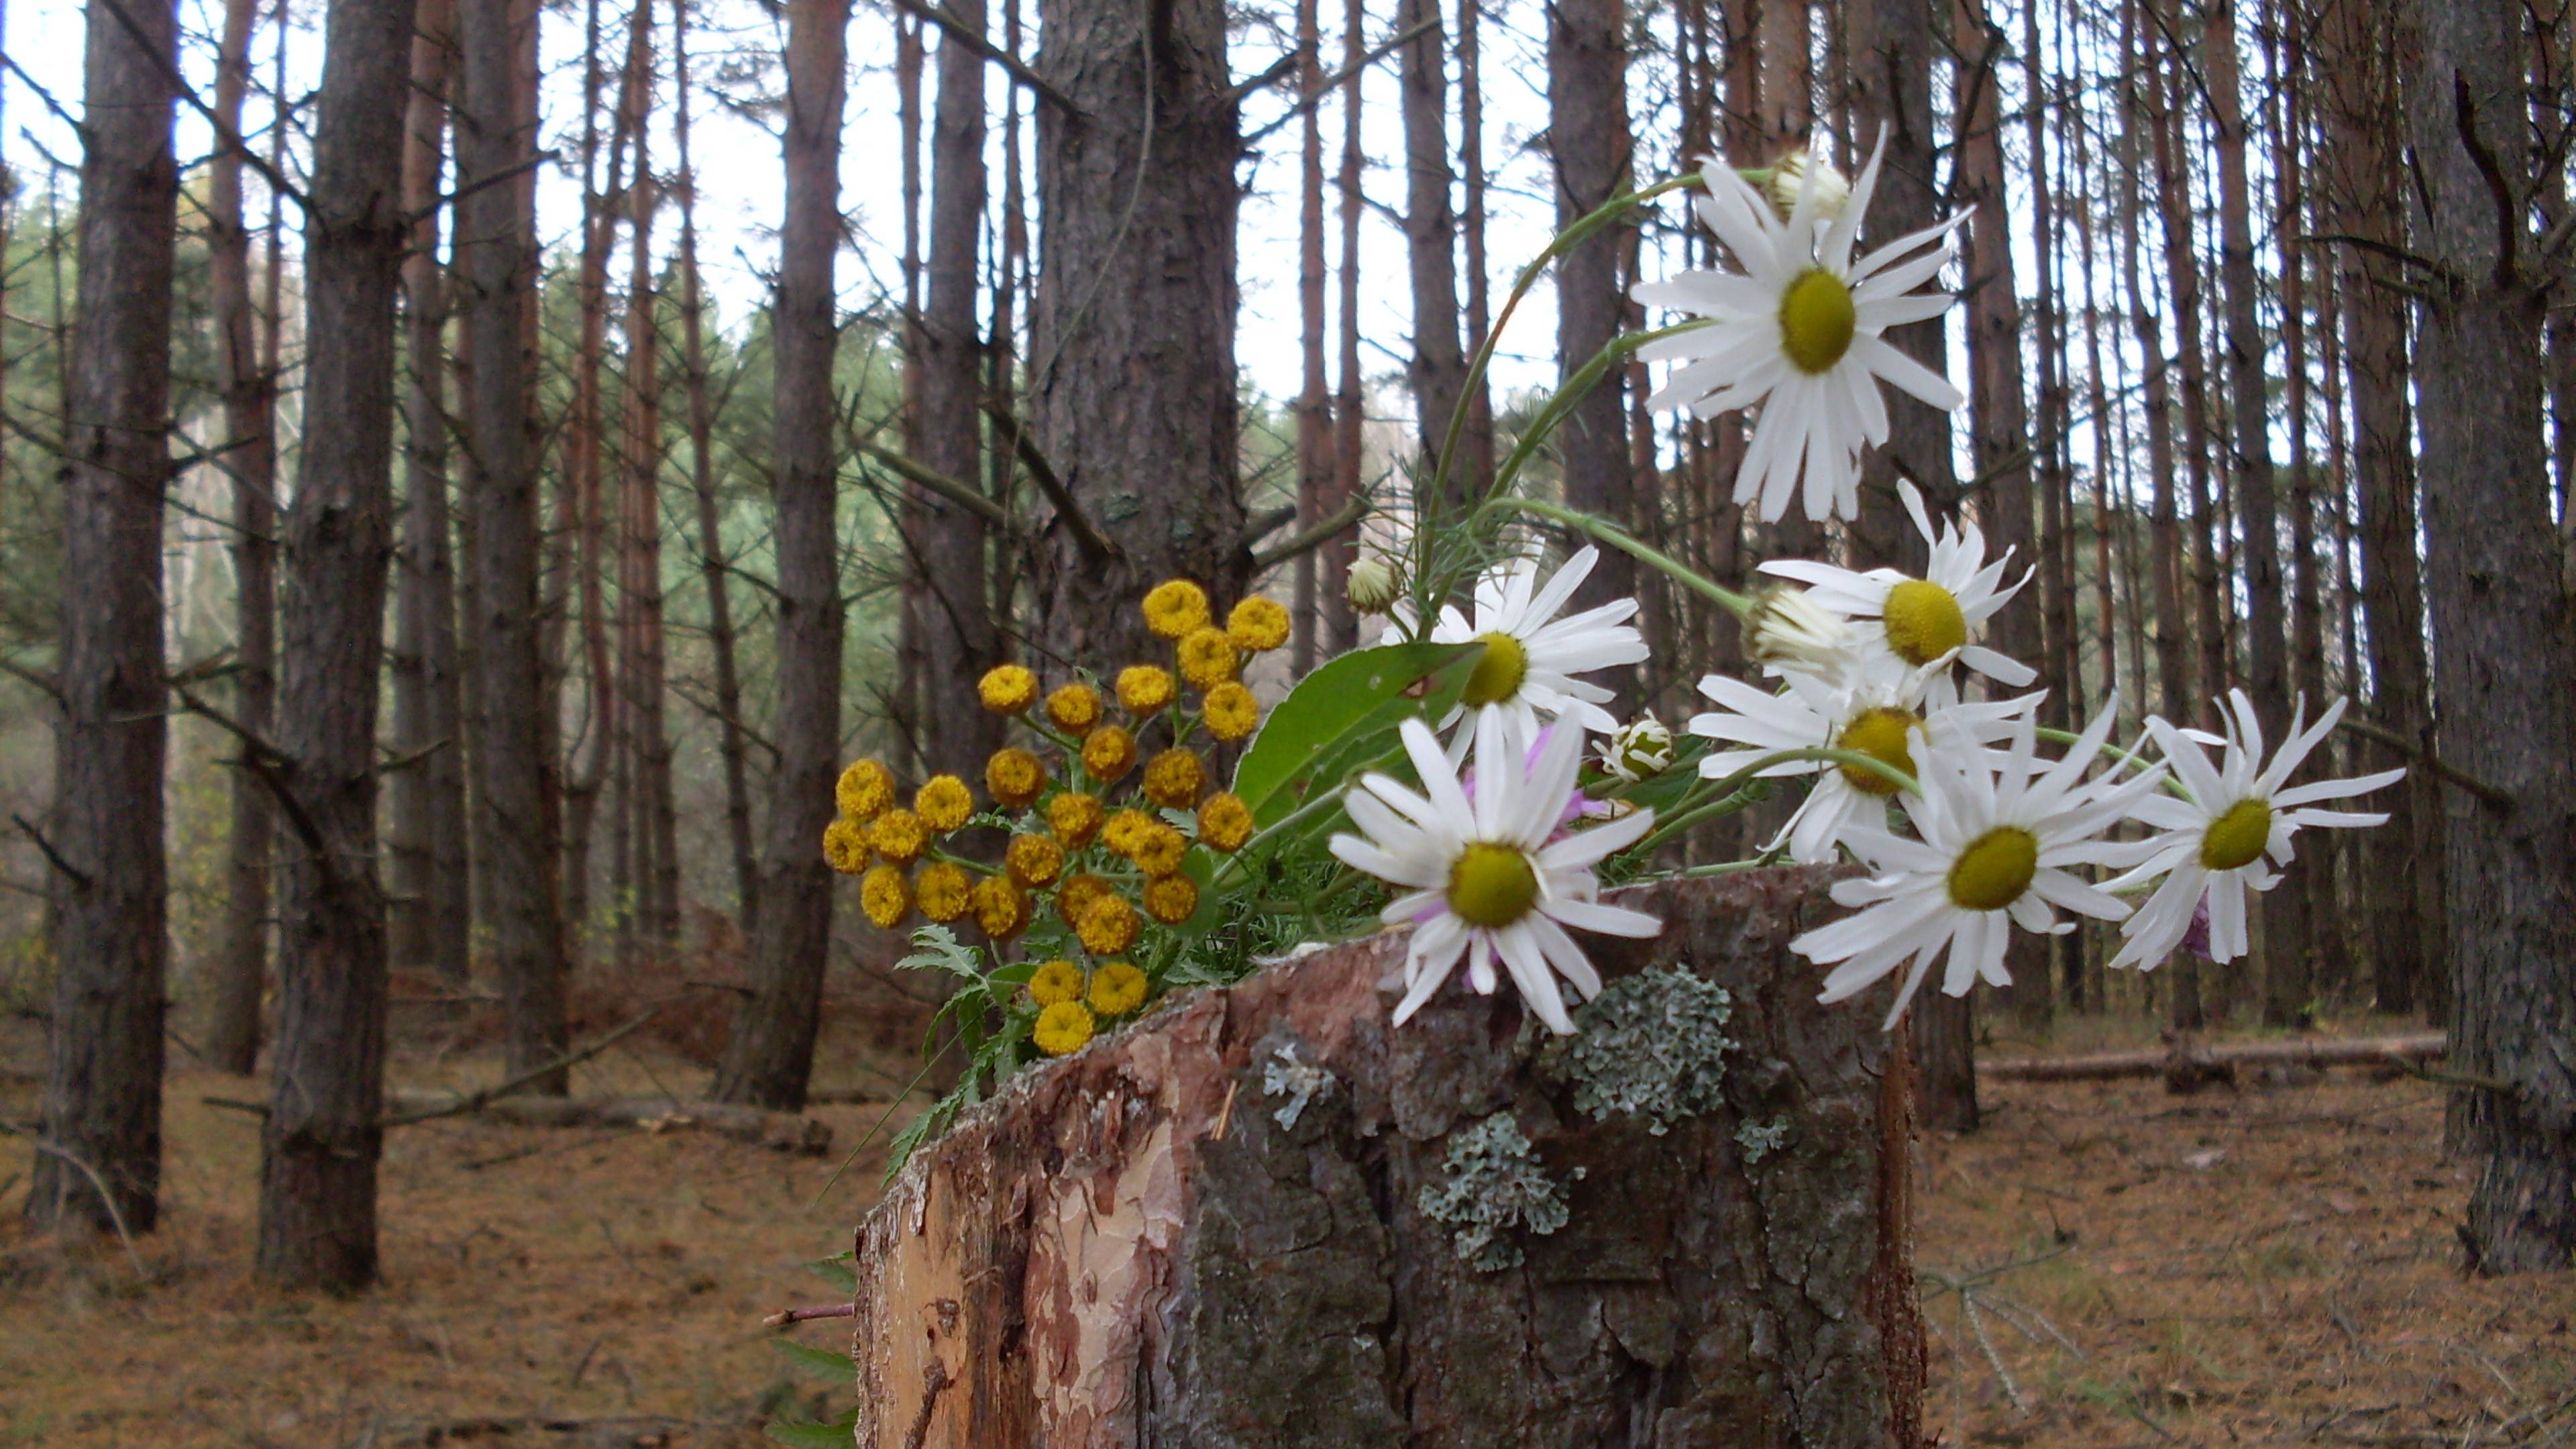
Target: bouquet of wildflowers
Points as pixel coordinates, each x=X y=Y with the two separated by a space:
x=1461 y=781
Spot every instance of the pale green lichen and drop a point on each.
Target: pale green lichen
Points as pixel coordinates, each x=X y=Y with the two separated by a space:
x=1652 y=1045
x=1760 y=1139
x=1300 y=1081
x=1492 y=1182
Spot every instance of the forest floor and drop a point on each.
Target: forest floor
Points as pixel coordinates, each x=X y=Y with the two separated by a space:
x=2272 y=1264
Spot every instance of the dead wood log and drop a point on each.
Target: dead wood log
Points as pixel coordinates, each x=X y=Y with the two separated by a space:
x=784 y=1131
x=1263 y=1218
x=2412 y=1049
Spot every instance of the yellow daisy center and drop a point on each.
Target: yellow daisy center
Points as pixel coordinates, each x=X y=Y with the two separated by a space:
x=2235 y=838
x=1995 y=869
x=1816 y=320
x=1499 y=672
x=1923 y=621
x=1885 y=735
x=1492 y=885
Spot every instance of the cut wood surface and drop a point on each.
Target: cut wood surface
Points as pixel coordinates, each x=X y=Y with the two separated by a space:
x=1265 y=1217
x=2412 y=1049
x=782 y=1130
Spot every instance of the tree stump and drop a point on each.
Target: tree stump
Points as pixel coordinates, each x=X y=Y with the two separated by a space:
x=1264 y=1217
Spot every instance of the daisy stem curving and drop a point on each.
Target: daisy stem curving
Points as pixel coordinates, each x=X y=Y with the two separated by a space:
x=1611 y=534
x=1727 y=787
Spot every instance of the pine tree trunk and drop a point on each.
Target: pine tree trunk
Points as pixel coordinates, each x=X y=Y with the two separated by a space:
x=2497 y=596
x=1314 y=402
x=957 y=608
x=1236 y=1224
x=1341 y=621
x=1475 y=465
x=317 y=1199
x=2182 y=280
x=656 y=824
x=515 y=824
x=770 y=1057
x=2356 y=59
x=102 y=1104
x=1133 y=388
x=1437 y=368
x=240 y=964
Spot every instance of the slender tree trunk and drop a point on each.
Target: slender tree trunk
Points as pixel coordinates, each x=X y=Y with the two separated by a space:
x=317 y=1192
x=2182 y=280
x=1314 y=400
x=656 y=825
x=716 y=565
x=2357 y=62
x=1341 y=622
x=771 y=1055
x=2497 y=596
x=102 y=1104
x=1476 y=446
x=1133 y=386
x=1438 y=366
x=1589 y=137
x=961 y=638
x=913 y=679
x=240 y=964
x=514 y=815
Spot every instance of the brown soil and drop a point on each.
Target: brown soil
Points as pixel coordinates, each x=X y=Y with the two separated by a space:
x=2270 y=1265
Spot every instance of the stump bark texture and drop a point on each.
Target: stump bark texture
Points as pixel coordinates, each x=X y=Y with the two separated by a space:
x=1264 y=1217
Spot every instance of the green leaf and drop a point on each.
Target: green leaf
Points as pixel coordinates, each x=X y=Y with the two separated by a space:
x=840 y=1433
x=836 y=1271
x=821 y=1363
x=1358 y=696
x=936 y=948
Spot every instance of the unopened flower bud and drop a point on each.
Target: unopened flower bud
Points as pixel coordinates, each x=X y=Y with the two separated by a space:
x=1792 y=173
x=1639 y=750
x=1374 y=586
x=1788 y=630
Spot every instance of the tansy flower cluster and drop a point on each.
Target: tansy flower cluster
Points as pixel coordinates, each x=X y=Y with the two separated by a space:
x=1107 y=804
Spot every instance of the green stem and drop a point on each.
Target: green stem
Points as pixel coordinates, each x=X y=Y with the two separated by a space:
x=1618 y=538
x=1727 y=787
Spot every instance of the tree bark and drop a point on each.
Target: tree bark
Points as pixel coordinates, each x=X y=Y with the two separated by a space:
x=656 y=822
x=1229 y=1224
x=317 y=1199
x=1437 y=368
x=2182 y=281
x=2358 y=65
x=1475 y=464
x=1133 y=382
x=240 y=964
x=1315 y=468
x=515 y=824
x=1341 y=621
x=716 y=566
x=102 y=1104
x=771 y=1055
x=2503 y=652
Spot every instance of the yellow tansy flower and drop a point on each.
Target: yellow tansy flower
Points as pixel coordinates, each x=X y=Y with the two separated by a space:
x=1076 y=895
x=1117 y=988
x=864 y=790
x=1007 y=688
x=845 y=846
x=1014 y=776
x=1257 y=625
x=1175 y=607
x=1000 y=907
x=1108 y=926
x=1225 y=822
x=1034 y=860
x=1145 y=688
x=1109 y=753
x=941 y=891
x=1159 y=850
x=899 y=836
x=944 y=803
x=1175 y=779
x=1063 y=1029
x=1075 y=708
x=1171 y=899
x=1054 y=982
x=1074 y=817
x=886 y=896
x=1207 y=658
x=1125 y=829
x=1231 y=712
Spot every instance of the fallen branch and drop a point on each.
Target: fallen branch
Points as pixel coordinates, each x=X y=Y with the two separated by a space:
x=786 y=1316
x=476 y=1101
x=783 y=1131
x=2395 y=1050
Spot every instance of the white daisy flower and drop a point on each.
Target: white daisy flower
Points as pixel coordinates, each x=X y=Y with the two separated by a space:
x=1997 y=837
x=1798 y=334
x=1798 y=170
x=1919 y=620
x=1531 y=656
x=1788 y=632
x=1873 y=711
x=1486 y=881
x=1641 y=750
x=2230 y=832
